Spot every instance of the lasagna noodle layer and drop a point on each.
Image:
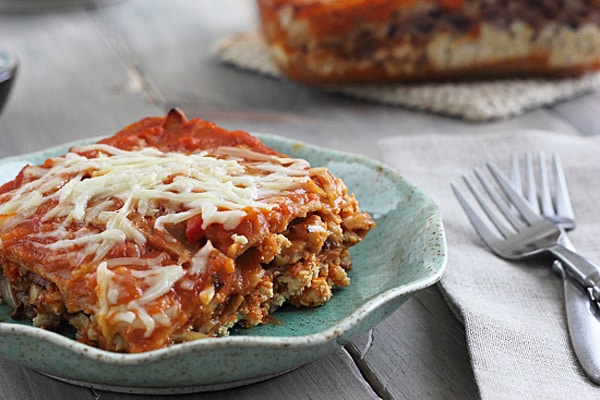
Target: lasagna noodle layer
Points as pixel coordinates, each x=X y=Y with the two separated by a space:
x=172 y=230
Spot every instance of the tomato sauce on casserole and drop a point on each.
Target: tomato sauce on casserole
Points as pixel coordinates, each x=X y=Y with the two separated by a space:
x=172 y=230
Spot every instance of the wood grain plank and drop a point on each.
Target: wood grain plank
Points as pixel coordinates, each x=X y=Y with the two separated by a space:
x=171 y=43
x=331 y=378
x=419 y=352
x=22 y=383
x=71 y=83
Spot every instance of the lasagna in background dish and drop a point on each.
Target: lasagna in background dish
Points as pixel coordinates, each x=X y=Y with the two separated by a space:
x=169 y=231
x=360 y=41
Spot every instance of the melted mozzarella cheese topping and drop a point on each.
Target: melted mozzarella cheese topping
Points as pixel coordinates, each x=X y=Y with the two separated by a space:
x=157 y=280
x=115 y=187
x=172 y=187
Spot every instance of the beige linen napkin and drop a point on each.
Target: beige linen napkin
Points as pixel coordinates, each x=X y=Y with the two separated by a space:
x=513 y=311
x=478 y=101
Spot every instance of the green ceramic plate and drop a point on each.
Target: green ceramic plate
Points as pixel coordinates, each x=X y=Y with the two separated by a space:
x=404 y=253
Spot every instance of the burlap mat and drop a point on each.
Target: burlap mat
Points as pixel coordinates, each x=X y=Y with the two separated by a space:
x=477 y=101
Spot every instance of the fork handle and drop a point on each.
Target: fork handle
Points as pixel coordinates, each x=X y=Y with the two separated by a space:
x=583 y=322
x=582 y=270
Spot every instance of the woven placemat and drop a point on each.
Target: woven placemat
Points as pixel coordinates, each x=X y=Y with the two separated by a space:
x=473 y=101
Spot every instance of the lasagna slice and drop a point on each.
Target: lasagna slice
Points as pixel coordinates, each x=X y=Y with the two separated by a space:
x=169 y=231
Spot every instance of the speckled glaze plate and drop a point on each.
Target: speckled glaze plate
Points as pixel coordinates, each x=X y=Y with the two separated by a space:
x=406 y=252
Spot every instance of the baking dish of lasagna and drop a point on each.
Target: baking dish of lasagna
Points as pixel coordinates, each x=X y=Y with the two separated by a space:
x=126 y=267
x=381 y=41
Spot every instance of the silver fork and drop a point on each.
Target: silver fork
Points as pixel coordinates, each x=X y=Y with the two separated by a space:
x=583 y=318
x=530 y=234
x=560 y=211
x=556 y=209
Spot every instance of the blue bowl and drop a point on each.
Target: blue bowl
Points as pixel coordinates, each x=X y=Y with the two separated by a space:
x=8 y=72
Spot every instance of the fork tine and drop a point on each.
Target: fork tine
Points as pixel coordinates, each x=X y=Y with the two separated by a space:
x=514 y=173
x=562 y=198
x=519 y=202
x=545 y=195
x=508 y=213
x=481 y=228
x=501 y=226
x=531 y=187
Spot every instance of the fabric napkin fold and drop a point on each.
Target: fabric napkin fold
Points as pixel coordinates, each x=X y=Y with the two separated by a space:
x=474 y=101
x=513 y=312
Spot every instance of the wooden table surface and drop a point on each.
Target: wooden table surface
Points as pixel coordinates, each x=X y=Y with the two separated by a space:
x=88 y=71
